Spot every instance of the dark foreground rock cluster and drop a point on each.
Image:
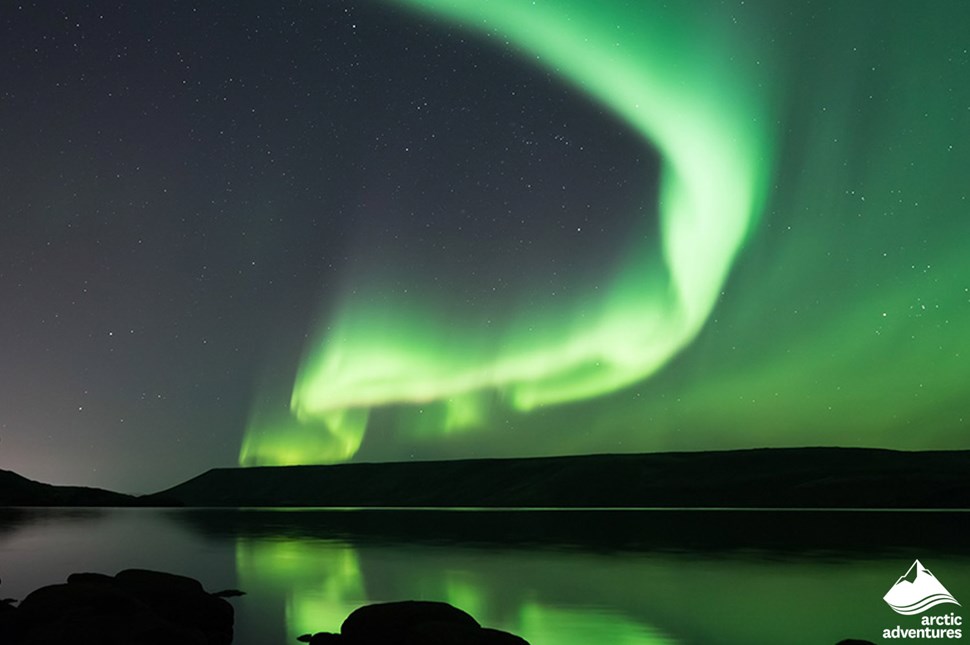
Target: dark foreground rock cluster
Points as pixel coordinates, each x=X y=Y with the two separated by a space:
x=139 y=607
x=412 y=622
x=135 y=607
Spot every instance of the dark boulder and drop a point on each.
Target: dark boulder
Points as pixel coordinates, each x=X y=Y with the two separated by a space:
x=321 y=638
x=228 y=593
x=133 y=608
x=497 y=637
x=181 y=600
x=90 y=578
x=394 y=622
x=412 y=622
x=8 y=616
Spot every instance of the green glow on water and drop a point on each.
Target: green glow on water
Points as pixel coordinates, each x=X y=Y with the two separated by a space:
x=557 y=625
x=321 y=581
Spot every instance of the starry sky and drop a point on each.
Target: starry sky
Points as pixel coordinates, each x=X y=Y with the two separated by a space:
x=308 y=232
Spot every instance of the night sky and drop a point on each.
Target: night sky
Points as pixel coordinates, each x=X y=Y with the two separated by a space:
x=245 y=233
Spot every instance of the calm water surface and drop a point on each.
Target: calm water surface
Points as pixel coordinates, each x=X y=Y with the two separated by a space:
x=650 y=577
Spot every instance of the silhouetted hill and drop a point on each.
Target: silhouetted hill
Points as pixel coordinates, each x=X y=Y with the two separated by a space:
x=20 y=491
x=762 y=478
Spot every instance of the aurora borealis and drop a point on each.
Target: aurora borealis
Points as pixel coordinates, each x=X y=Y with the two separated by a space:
x=430 y=228
x=706 y=130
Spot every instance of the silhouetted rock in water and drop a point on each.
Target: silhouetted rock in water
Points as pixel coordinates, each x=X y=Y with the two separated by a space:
x=228 y=593
x=321 y=638
x=135 y=607
x=412 y=622
x=6 y=605
x=854 y=641
x=379 y=623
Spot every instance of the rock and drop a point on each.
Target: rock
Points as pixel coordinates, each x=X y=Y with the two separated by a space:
x=228 y=593
x=412 y=622
x=321 y=638
x=394 y=622
x=158 y=583
x=8 y=615
x=497 y=637
x=90 y=578
x=97 y=613
x=134 y=607
x=181 y=600
x=854 y=641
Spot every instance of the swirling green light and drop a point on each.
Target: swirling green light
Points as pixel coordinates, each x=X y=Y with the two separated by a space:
x=666 y=77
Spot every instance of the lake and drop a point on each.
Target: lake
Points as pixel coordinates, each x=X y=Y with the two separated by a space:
x=555 y=577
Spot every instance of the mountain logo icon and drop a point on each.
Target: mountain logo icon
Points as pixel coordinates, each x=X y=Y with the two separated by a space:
x=916 y=591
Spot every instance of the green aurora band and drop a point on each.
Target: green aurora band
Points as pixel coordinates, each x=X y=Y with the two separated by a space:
x=645 y=64
x=828 y=141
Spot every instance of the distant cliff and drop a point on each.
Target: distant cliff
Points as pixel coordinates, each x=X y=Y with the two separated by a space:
x=762 y=478
x=20 y=491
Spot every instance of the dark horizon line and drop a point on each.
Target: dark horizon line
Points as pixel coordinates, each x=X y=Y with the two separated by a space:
x=146 y=497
